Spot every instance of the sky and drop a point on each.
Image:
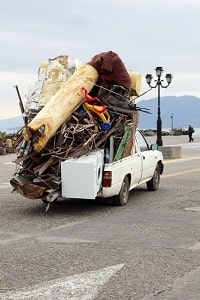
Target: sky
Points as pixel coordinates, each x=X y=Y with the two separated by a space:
x=144 y=33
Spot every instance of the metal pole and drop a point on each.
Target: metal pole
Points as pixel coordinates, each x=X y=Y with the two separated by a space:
x=172 y=117
x=159 y=121
x=21 y=105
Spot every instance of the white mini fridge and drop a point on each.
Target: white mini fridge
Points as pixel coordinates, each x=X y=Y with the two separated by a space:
x=82 y=177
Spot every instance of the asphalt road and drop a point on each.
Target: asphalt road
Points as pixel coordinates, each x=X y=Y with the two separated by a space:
x=149 y=249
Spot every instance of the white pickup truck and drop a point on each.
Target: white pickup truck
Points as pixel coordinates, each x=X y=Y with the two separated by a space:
x=92 y=175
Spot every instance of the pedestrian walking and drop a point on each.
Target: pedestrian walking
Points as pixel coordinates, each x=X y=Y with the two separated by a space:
x=190 y=132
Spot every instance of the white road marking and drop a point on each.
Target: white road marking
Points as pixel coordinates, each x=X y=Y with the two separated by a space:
x=14 y=239
x=45 y=238
x=67 y=225
x=84 y=286
x=197 y=209
x=5 y=185
x=195 y=247
x=8 y=163
x=60 y=239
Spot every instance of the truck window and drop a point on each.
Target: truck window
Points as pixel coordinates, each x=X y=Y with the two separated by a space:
x=142 y=143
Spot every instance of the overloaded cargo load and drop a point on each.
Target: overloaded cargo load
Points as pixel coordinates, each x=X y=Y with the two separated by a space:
x=68 y=114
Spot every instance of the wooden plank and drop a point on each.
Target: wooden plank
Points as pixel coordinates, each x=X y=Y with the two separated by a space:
x=60 y=107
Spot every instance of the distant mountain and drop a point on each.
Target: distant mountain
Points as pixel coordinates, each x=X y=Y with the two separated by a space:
x=11 y=125
x=186 y=109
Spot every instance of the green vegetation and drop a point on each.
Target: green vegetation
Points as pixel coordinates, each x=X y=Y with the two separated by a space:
x=4 y=136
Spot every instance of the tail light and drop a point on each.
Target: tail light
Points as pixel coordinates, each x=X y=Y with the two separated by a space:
x=107 y=179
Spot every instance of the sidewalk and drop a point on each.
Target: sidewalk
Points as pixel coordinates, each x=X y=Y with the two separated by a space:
x=191 y=149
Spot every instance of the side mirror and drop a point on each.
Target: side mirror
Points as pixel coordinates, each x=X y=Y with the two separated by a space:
x=154 y=147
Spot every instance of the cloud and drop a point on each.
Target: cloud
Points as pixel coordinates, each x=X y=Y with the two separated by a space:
x=144 y=33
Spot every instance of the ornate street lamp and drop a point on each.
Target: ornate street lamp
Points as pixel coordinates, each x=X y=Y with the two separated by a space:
x=159 y=83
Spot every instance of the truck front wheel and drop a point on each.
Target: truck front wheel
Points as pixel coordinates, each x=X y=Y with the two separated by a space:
x=122 y=198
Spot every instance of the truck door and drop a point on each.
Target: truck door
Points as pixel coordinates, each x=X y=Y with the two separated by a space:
x=147 y=157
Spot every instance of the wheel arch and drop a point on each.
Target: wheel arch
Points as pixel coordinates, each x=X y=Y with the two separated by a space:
x=161 y=166
x=129 y=178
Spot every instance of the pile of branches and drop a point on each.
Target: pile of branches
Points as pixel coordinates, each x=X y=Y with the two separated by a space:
x=38 y=175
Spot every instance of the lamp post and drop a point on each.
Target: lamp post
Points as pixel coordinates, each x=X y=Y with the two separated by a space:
x=159 y=84
x=172 y=117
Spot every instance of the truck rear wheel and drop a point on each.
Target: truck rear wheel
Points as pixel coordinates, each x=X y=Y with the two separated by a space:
x=152 y=185
x=122 y=198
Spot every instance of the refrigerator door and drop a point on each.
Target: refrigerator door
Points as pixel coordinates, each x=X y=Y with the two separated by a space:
x=82 y=177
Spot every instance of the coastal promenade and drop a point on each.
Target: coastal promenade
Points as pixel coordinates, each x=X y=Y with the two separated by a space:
x=191 y=149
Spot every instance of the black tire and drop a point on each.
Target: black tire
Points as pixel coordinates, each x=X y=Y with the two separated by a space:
x=122 y=198
x=153 y=184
